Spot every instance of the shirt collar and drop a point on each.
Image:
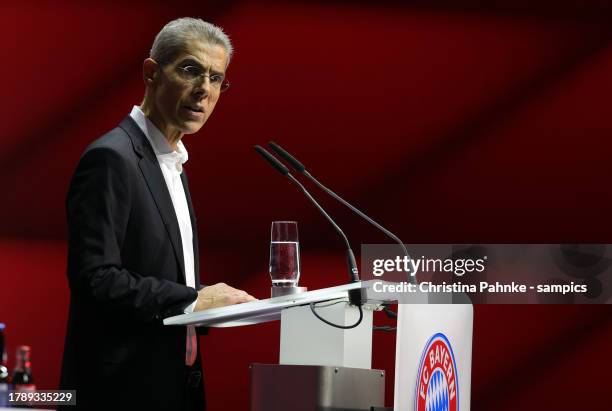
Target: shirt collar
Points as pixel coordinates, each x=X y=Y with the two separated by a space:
x=163 y=151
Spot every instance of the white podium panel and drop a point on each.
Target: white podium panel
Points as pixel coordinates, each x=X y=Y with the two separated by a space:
x=306 y=340
x=433 y=360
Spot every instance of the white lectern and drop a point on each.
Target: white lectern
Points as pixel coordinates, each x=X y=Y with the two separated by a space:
x=326 y=368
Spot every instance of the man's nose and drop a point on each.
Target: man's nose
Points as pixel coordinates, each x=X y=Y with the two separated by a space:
x=202 y=87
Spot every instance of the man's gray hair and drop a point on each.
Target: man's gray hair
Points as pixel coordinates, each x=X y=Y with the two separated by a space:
x=172 y=39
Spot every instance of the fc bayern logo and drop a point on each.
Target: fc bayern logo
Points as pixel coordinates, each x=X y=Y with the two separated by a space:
x=437 y=387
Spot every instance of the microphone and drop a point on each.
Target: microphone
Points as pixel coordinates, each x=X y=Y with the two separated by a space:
x=299 y=167
x=350 y=256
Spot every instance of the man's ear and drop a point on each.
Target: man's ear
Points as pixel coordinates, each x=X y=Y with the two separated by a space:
x=149 y=71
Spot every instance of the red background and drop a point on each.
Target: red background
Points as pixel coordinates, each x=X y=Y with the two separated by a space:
x=465 y=122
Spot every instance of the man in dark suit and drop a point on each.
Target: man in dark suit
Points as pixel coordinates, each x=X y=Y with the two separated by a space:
x=133 y=251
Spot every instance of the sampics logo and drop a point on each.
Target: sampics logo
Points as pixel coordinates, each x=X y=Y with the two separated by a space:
x=437 y=383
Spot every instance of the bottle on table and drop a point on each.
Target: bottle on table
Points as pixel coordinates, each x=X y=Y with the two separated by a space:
x=5 y=378
x=23 y=381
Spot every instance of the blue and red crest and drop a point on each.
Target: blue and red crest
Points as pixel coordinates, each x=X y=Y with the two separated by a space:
x=437 y=387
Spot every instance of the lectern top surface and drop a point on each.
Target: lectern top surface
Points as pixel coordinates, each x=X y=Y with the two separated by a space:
x=262 y=310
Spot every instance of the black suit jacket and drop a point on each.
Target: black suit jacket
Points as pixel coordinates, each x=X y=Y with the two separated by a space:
x=126 y=273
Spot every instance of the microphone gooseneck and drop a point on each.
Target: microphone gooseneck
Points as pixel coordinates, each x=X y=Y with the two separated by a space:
x=299 y=167
x=352 y=264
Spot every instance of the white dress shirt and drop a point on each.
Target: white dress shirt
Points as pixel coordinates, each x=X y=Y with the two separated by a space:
x=171 y=164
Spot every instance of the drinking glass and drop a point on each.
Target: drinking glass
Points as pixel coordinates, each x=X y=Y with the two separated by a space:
x=284 y=254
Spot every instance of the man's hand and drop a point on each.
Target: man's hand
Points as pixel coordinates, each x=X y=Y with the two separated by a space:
x=220 y=295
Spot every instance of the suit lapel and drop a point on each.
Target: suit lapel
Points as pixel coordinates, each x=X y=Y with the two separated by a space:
x=157 y=186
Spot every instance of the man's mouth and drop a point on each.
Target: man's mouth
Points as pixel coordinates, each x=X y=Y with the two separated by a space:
x=195 y=109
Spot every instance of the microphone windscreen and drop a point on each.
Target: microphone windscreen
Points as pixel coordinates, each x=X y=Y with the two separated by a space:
x=273 y=161
x=287 y=157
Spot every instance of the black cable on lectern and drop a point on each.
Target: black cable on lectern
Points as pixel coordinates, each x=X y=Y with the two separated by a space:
x=344 y=327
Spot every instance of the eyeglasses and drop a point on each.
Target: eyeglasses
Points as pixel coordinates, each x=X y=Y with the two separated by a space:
x=193 y=74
